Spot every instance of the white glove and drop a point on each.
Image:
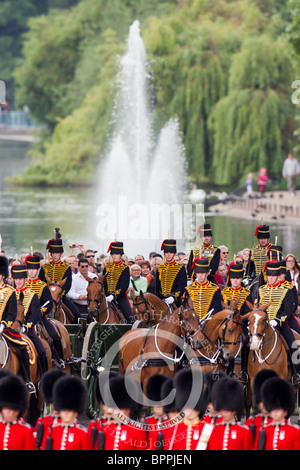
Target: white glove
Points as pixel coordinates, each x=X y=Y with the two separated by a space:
x=273 y=323
x=1 y=327
x=169 y=300
x=23 y=329
x=109 y=298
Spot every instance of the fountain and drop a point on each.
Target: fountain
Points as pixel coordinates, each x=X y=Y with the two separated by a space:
x=143 y=177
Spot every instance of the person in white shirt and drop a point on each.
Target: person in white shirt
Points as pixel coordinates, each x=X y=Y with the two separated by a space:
x=290 y=170
x=78 y=293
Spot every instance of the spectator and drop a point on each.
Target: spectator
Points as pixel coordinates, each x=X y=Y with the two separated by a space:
x=262 y=179
x=138 y=259
x=137 y=282
x=222 y=270
x=146 y=268
x=249 y=184
x=293 y=267
x=78 y=293
x=223 y=254
x=245 y=255
x=290 y=170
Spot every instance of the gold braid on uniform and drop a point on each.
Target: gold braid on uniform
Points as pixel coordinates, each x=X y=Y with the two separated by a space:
x=28 y=296
x=276 y=294
x=5 y=292
x=202 y=295
x=259 y=257
x=203 y=251
x=113 y=273
x=37 y=286
x=230 y=294
x=167 y=274
x=54 y=271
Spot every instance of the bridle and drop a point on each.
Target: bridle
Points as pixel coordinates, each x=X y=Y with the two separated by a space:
x=58 y=303
x=261 y=336
x=148 y=305
x=229 y=318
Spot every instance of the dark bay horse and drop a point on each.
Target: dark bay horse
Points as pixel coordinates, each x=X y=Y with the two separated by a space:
x=149 y=308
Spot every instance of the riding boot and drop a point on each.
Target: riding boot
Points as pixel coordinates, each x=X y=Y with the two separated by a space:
x=43 y=363
x=243 y=376
x=58 y=352
x=25 y=370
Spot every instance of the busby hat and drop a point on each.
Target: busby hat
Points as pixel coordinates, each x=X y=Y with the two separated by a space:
x=32 y=262
x=13 y=393
x=168 y=246
x=167 y=388
x=120 y=392
x=200 y=265
x=235 y=270
x=282 y=265
x=278 y=393
x=69 y=393
x=204 y=230
x=272 y=268
x=262 y=231
x=48 y=381
x=210 y=379
x=274 y=252
x=104 y=376
x=55 y=245
x=153 y=387
x=227 y=394
x=190 y=390
x=4 y=266
x=116 y=248
x=19 y=271
x=258 y=381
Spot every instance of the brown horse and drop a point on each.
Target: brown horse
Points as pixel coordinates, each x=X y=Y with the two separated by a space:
x=149 y=308
x=105 y=313
x=267 y=347
x=147 y=351
x=65 y=341
x=59 y=312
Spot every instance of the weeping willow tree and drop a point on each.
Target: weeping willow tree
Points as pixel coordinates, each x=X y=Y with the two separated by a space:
x=253 y=124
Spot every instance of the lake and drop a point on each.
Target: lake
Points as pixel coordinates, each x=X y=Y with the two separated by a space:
x=29 y=215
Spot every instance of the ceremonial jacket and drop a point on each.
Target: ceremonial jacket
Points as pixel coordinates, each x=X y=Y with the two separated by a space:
x=211 y=252
x=43 y=292
x=171 y=280
x=17 y=435
x=116 y=280
x=72 y=437
x=31 y=304
x=8 y=305
x=257 y=260
x=283 y=304
x=257 y=422
x=205 y=297
x=43 y=429
x=153 y=427
x=285 y=436
x=124 y=436
x=241 y=293
x=184 y=435
x=232 y=436
x=57 y=272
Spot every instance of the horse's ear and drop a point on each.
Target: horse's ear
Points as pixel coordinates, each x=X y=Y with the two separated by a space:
x=87 y=278
x=250 y=305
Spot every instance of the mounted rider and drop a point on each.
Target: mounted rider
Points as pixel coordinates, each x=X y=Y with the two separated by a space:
x=171 y=277
x=57 y=270
x=205 y=295
x=259 y=253
x=205 y=250
x=116 y=281
x=42 y=290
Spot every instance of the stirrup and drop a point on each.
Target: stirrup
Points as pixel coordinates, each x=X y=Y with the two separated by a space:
x=295 y=379
x=30 y=387
x=243 y=377
x=59 y=363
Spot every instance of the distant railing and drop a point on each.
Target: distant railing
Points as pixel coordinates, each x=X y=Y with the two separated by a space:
x=16 y=119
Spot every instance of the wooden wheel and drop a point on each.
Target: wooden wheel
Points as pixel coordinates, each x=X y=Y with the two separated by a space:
x=92 y=355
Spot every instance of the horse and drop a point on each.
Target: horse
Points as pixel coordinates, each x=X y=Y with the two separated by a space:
x=268 y=348
x=105 y=313
x=59 y=312
x=147 y=351
x=65 y=340
x=149 y=308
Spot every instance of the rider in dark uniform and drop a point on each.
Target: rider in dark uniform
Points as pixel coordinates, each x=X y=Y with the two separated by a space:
x=205 y=250
x=116 y=281
x=259 y=253
x=57 y=270
x=46 y=304
x=171 y=278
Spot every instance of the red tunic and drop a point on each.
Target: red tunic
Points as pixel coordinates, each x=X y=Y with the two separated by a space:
x=231 y=436
x=17 y=435
x=259 y=421
x=284 y=436
x=72 y=437
x=183 y=436
x=124 y=437
x=47 y=422
x=154 y=426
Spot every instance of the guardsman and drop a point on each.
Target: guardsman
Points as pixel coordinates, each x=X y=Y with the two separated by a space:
x=45 y=423
x=155 y=422
x=121 y=394
x=278 y=399
x=15 y=433
x=46 y=304
x=69 y=400
x=8 y=314
x=206 y=296
x=259 y=253
x=116 y=281
x=212 y=416
x=171 y=277
x=260 y=417
x=281 y=310
x=205 y=250
x=57 y=270
x=191 y=400
x=228 y=399
x=32 y=313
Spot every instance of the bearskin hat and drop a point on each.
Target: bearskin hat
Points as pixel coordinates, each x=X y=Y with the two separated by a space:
x=4 y=266
x=13 y=393
x=258 y=382
x=69 y=393
x=278 y=393
x=227 y=394
x=210 y=379
x=191 y=392
x=121 y=392
x=153 y=387
x=167 y=389
x=48 y=381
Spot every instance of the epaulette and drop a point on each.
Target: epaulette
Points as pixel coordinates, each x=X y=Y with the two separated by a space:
x=24 y=423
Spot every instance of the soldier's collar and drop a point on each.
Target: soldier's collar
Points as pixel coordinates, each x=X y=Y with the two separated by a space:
x=204 y=284
x=207 y=245
x=57 y=262
x=33 y=280
x=171 y=262
x=117 y=262
x=22 y=290
x=274 y=285
x=238 y=288
x=2 y=285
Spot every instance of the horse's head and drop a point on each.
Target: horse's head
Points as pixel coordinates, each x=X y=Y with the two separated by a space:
x=230 y=330
x=56 y=289
x=95 y=293
x=257 y=324
x=190 y=326
x=20 y=313
x=142 y=308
